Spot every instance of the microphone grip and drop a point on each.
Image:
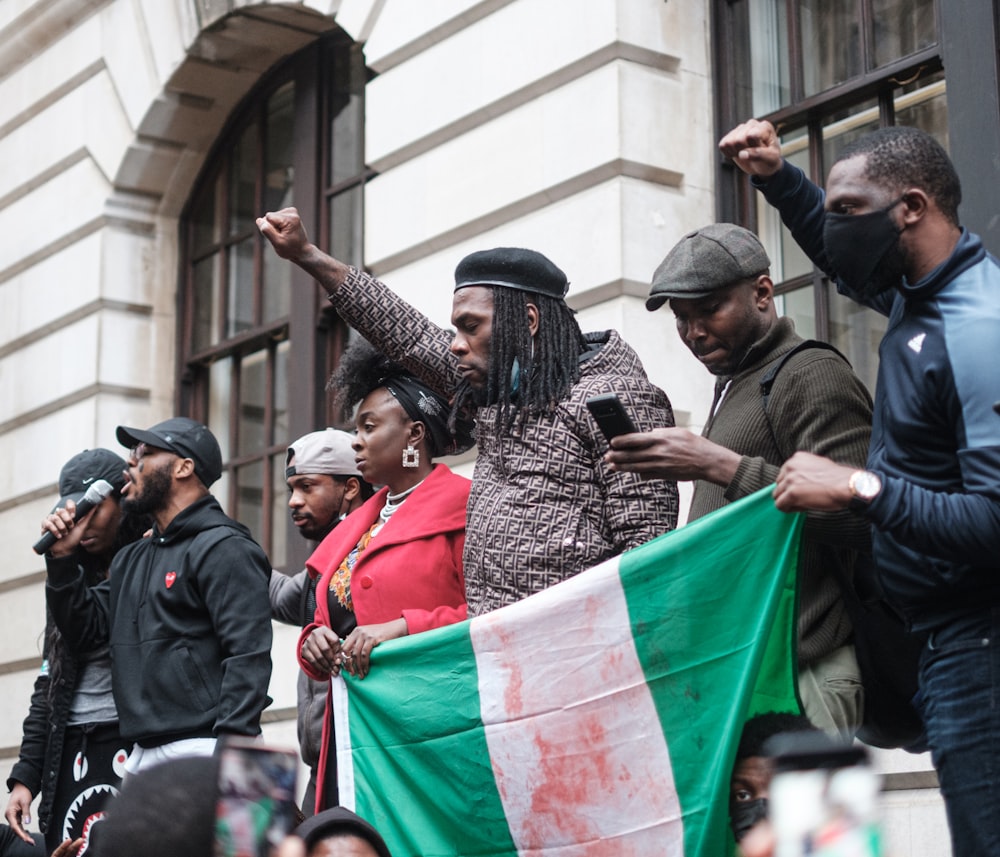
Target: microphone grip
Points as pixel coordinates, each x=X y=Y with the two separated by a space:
x=44 y=544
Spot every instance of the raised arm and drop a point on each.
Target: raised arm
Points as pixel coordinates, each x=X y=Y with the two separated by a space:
x=288 y=237
x=391 y=324
x=754 y=148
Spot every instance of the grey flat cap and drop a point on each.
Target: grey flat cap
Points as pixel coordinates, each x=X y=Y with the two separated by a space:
x=708 y=259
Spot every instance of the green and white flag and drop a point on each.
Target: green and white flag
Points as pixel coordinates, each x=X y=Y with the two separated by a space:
x=599 y=717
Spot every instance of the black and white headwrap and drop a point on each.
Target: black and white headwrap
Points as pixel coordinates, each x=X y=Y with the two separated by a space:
x=422 y=404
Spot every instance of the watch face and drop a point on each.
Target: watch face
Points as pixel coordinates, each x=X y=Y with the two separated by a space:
x=866 y=485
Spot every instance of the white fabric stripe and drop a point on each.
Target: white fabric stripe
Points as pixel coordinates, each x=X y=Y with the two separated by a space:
x=574 y=738
x=342 y=729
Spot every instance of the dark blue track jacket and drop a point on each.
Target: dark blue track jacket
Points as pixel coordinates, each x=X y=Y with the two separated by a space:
x=935 y=438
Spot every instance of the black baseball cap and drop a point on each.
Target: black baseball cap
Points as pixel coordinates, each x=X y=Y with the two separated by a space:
x=87 y=467
x=185 y=437
x=338 y=820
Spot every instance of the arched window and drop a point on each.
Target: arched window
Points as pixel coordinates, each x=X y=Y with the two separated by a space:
x=824 y=72
x=256 y=342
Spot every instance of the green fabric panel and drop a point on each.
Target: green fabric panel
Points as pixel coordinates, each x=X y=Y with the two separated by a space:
x=703 y=600
x=434 y=791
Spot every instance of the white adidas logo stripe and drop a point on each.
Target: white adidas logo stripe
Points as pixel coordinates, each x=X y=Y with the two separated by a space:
x=917 y=343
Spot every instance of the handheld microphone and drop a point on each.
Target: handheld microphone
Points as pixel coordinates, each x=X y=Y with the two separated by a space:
x=96 y=494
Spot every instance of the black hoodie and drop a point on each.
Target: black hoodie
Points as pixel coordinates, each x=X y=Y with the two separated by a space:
x=188 y=617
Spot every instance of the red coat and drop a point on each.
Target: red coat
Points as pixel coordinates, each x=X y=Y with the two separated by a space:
x=412 y=568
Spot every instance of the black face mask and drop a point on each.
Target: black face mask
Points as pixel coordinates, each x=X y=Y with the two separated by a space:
x=863 y=249
x=745 y=815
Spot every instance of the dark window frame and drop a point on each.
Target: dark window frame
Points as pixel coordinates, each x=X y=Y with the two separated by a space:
x=736 y=199
x=316 y=335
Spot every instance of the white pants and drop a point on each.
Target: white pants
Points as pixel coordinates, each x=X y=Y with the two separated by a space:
x=144 y=758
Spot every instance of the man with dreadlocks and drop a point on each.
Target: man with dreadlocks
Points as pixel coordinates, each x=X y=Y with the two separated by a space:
x=543 y=505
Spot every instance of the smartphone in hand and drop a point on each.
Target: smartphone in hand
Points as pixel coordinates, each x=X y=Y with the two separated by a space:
x=255 y=805
x=823 y=798
x=610 y=415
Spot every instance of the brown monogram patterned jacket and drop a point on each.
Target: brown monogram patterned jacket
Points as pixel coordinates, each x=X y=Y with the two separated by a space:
x=543 y=506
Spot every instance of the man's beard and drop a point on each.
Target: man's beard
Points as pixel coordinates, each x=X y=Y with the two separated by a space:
x=157 y=485
x=888 y=273
x=315 y=533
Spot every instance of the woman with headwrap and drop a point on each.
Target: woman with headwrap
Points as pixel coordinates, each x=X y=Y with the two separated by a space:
x=394 y=566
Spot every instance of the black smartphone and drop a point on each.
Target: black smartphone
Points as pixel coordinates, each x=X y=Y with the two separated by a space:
x=610 y=415
x=823 y=798
x=255 y=807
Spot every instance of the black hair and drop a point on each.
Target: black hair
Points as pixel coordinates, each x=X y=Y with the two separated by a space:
x=362 y=368
x=758 y=729
x=901 y=156
x=164 y=811
x=548 y=363
x=366 y=489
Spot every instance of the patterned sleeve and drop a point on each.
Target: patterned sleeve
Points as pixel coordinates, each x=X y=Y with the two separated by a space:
x=636 y=510
x=397 y=329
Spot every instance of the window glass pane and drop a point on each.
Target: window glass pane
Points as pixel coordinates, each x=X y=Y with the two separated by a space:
x=769 y=55
x=279 y=145
x=830 y=37
x=800 y=306
x=281 y=429
x=220 y=391
x=250 y=497
x=235 y=288
x=924 y=105
x=204 y=218
x=857 y=331
x=279 y=174
x=787 y=259
x=239 y=294
x=278 y=553
x=900 y=28
x=844 y=127
x=252 y=430
x=242 y=182
x=277 y=286
x=220 y=490
x=205 y=302
x=346 y=107
x=345 y=226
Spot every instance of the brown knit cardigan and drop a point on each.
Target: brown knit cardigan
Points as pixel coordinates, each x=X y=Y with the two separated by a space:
x=819 y=405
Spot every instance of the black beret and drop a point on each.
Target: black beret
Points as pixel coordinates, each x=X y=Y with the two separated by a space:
x=512 y=268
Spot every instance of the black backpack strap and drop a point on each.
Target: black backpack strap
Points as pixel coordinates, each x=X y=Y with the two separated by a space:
x=766 y=380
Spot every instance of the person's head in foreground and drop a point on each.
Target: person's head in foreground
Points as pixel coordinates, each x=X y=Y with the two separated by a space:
x=338 y=832
x=749 y=787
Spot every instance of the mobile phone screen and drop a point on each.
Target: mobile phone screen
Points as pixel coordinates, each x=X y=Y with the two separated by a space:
x=255 y=809
x=830 y=810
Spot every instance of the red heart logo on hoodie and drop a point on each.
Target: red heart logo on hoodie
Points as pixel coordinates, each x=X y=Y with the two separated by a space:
x=171 y=577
